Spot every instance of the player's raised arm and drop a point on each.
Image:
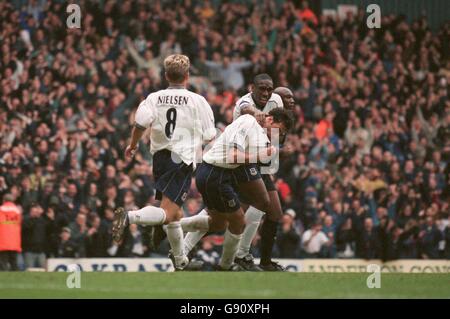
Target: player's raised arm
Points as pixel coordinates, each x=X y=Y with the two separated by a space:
x=259 y=115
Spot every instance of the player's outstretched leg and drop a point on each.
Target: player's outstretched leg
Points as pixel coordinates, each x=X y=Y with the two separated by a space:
x=195 y=234
x=194 y=223
x=149 y=215
x=120 y=222
x=197 y=226
x=193 y=237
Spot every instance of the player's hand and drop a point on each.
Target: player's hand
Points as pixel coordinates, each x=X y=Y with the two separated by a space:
x=266 y=154
x=271 y=151
x=130 y=151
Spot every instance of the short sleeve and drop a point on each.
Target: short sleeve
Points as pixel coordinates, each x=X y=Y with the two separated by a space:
x=243 y=129
x=207 y=119
x=145 y=114
x=238 y=108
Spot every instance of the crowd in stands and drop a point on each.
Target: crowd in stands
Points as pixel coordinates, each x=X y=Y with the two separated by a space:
x=364 y=174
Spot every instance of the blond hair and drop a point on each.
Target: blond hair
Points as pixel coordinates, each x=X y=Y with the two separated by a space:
x=176 y=67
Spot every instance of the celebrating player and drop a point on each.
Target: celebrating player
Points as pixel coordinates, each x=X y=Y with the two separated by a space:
x=244 y=142
x=253 y=215
x=262 y=196
x=180 y=121
x=286 y=96
x=257 y=103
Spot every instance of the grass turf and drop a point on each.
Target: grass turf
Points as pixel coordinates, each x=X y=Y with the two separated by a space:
x=205 y=285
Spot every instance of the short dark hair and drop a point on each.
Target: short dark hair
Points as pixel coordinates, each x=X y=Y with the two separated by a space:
x=281 y=115
x=261 y=77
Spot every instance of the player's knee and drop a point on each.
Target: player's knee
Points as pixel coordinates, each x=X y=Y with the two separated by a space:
x=171 y=219
x=172 y=216
x=263 y=203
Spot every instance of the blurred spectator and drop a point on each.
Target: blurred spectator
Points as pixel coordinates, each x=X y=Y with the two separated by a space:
x=191 y=207
x=306 y=14
x=97 y=238
x=447 y=239
x=368 y=244
x=92 y=199
x=229 y=72
x=346 y=240
x=429 y=238
x=315 y=242
x=66 y=247
x=10 y=234
x=288 y=239
x=133 y=243
x=78 y=233
x=409 y=246
x=329 y=229
x=36 y=230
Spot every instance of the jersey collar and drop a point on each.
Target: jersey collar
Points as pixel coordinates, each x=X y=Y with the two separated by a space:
x=176 y=87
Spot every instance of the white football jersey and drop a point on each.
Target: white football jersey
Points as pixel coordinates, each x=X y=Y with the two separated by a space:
x=245 y=133
x=247 y=100
x=180 y=121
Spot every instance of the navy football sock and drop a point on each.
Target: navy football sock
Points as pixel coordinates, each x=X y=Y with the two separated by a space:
x=268 y=233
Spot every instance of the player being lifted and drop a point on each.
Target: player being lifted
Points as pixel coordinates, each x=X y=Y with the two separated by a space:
x=180 y=121
x=242 y=143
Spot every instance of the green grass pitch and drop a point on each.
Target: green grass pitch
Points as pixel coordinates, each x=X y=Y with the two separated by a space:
x=205 y=285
